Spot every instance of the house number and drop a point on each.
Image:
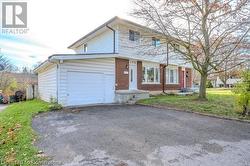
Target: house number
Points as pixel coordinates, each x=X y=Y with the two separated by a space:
x=125 y=72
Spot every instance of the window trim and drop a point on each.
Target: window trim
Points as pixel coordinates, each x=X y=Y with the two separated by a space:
x=146 y=73
x=134 y=35
x=168 y=76
x=176 y=50
x=154 y=42
x=85 y=48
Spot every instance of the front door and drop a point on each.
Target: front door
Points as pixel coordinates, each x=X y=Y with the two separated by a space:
x=132 y=75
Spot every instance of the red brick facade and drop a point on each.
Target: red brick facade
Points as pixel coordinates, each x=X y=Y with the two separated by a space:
x=122 y=77
x=188 y=77
x=155 y=87
x=121 y=74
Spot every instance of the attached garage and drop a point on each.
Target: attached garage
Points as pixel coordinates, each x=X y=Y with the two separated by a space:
x=88 y=88
x=78 y=82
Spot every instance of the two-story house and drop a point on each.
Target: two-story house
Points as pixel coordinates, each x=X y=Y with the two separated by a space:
x=117 y=62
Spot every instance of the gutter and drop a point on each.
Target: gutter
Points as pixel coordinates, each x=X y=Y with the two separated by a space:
x=57 y=80
x=113 y=37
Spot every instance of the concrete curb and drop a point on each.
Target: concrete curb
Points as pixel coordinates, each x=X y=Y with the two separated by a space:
x=198 y=113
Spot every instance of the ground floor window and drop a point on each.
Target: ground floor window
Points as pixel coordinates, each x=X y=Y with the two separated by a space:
x=150 y=74
x=172 y=76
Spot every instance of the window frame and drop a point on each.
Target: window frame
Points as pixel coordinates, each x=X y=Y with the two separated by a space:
x=145 y=69
x=135 y=36
x=156 y=42
x=85 y=47
x=175 y=75
x=176 y=45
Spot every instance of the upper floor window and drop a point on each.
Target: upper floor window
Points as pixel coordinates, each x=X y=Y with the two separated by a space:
x=176 y=47
x=150 y=74
x=156 y=42
x=85 y=48
x=134 y=35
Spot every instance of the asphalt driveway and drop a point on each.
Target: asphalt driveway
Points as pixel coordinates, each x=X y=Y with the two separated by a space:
x=139 y=135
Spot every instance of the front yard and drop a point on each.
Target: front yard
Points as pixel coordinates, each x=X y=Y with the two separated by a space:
x=16 y=134
x=221 y=102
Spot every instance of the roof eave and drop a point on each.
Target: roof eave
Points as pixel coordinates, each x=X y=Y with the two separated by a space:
x=42 y=65
x=92 y=32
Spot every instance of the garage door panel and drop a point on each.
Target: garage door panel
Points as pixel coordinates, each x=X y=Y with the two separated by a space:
x=88 y=88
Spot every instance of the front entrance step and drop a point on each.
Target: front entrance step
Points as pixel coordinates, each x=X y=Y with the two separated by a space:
x=130 y=96
x=131 y=102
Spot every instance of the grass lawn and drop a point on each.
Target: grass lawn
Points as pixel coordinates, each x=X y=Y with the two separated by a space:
x=220 y=102
x=16 y=134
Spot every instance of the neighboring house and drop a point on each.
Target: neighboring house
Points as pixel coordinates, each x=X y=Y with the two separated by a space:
x=108 y=67
x=22 y=79
x=25 y=78
x=231 y=82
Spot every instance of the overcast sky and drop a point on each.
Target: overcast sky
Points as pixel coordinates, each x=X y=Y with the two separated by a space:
x=55 y=24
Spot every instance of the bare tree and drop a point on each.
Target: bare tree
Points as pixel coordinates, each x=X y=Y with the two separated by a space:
x=230 y=68
x=5 y=64
x=208 y=31
x=7 y=82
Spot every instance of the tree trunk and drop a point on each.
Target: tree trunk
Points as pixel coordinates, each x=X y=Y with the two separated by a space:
x=225 y=76
x=225 y=81
x=245 y=110
x=202 y=93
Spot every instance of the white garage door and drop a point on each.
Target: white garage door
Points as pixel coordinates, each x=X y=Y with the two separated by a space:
x=89 y=88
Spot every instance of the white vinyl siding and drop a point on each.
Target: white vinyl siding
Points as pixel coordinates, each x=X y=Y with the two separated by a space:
x=125 y=45
x=172 y=75
x=47 y=84
x=96 y=66
x=102 y=43
x=147 y=48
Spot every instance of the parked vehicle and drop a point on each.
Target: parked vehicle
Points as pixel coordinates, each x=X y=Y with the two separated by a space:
x=19 y=96
x=3 y=99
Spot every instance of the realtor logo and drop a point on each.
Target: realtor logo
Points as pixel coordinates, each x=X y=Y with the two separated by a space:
x=14 y=15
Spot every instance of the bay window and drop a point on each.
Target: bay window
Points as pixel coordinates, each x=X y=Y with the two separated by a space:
x=150 y=74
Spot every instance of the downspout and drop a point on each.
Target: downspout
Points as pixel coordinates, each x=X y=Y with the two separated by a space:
x=57 y=67
x=113 y=37
x=57 y=83
x=164 y=73
x=163 y=78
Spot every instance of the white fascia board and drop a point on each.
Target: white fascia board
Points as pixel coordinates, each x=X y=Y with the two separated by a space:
x=42 y=66
x=80 y=57
x=139 y=58
x=56 y=58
